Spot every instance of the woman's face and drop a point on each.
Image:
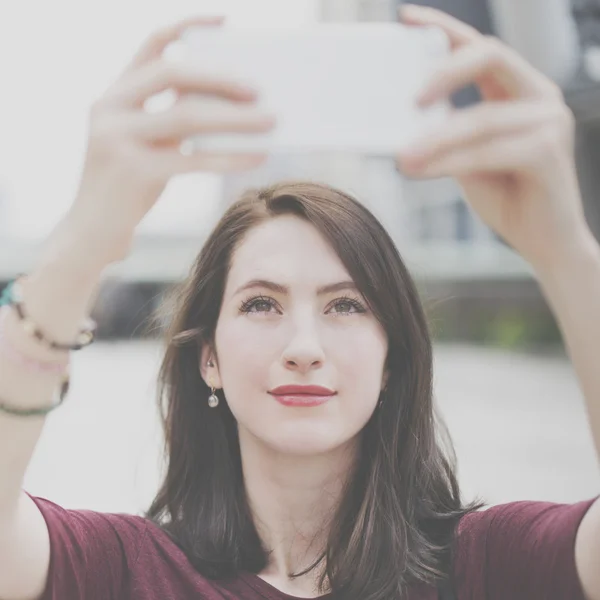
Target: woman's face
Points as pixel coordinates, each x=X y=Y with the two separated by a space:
x=277 y=327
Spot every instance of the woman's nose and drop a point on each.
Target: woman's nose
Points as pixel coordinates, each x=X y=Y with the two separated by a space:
x=304 y=351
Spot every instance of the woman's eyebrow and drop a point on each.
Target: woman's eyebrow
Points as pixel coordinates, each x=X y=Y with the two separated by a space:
x=282 y=289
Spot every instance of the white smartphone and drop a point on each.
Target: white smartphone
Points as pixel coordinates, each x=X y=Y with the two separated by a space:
x=331 y=86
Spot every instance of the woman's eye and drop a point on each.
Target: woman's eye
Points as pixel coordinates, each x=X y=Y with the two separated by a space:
x=257 y=305
x=348 y=306
x=262 y=306
x=342 y=306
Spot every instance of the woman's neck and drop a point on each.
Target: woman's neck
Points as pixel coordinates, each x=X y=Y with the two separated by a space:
x=293 y=499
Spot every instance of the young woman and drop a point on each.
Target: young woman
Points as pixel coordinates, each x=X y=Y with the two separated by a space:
x=304 y=457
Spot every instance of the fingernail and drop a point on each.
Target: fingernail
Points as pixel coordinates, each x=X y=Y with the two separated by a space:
x=425 y=98
x=408 y=8
x=211 y=20
x=411 y=162
x=429 y=92
x=249 y=93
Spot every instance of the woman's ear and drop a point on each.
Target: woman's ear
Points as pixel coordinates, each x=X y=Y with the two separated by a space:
x=209 y=368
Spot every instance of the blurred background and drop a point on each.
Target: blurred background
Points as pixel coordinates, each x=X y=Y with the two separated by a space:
x=503 y=381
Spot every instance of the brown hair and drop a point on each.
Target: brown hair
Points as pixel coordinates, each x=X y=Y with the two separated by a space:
x=396 y=522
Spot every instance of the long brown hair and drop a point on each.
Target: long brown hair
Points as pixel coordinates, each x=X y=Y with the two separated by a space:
x=396 y=521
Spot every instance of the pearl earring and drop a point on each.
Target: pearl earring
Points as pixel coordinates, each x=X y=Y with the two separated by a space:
x=213 y=399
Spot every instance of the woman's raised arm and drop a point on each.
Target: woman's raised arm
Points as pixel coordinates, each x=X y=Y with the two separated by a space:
x=130 y=158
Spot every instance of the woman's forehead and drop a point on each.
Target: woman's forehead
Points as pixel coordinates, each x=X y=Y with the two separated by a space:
x=290 y=229
x=286 y=250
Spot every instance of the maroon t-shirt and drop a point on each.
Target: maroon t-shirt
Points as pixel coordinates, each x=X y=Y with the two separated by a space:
x=515 y=551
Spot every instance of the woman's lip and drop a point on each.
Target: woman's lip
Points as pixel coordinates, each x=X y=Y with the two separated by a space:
x=301 y=400
x=301 y=390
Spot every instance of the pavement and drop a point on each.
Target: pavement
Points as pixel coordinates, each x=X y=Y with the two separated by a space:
x=518 y=424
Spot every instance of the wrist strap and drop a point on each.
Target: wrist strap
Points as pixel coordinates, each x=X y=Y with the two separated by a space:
x=13 y=296
x=59 y=398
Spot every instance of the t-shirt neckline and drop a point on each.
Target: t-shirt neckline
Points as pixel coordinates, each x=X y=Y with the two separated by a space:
x=270 y=592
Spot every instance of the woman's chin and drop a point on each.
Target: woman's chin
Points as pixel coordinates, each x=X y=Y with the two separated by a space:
x=302 y=440
x=303 y=447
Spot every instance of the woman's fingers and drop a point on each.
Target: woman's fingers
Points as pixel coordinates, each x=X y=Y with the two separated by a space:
x=158 y=41
x=487 y=56
x=502 y=154
x=160 y=75
x=475 y=56
x=190 y=116
x=479 y=124
x=459 y=33
x=173 y=162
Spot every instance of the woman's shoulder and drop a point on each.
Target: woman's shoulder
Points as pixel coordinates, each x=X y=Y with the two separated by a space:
x=525 y=545
x=84 y=522
x=130 y=532
x=90 y=551
x=529 y=515
x=114 y=555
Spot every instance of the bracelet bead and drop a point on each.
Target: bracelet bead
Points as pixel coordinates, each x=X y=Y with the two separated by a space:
x=13 y=296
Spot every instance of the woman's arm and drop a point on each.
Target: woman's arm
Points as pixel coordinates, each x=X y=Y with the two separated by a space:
x=513 y=156
x=572 y=288
x=58 y=296
x=131 y=156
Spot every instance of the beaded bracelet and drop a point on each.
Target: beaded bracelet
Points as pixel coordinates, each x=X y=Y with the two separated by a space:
x=14 y=354
x=53 y=367
x=13 y=296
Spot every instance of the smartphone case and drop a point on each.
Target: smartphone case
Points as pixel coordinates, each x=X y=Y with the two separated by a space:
x=332 y=86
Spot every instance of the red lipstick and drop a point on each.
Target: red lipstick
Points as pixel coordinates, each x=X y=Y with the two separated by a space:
x=302 y=395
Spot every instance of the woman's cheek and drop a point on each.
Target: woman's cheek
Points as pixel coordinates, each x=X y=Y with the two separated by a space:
x=247 y=343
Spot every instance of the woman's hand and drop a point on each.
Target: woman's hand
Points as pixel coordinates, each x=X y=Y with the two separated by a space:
x=512 y=153
x=133 y=153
